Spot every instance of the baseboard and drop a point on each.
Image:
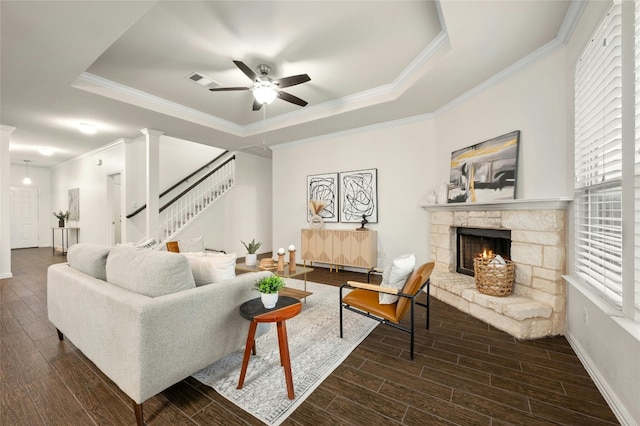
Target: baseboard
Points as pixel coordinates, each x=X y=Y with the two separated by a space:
x=4 y=275
x=619 y=410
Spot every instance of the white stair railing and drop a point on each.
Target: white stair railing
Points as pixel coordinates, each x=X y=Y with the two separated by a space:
x=182 y=210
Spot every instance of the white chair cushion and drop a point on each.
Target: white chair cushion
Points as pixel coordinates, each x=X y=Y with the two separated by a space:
x=395 y=275
x=191 y=245
x=210 y=267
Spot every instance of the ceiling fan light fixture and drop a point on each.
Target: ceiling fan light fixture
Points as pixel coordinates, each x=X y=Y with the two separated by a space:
x=264 y=92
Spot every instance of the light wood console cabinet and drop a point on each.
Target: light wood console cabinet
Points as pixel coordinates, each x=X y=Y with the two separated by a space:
x=340 y=247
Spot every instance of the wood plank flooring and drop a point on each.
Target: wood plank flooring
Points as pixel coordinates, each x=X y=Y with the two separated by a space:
x=464 y=373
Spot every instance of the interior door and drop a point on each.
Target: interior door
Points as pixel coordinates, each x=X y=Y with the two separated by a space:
x=24 y=216
x=114 y=206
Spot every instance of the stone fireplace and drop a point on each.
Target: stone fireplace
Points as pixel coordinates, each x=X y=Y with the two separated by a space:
x=537 y=232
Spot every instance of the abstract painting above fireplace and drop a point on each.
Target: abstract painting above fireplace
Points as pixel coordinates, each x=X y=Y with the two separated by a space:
x=486 y=171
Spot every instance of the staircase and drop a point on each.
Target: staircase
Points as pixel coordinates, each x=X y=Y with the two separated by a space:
x=182 y=210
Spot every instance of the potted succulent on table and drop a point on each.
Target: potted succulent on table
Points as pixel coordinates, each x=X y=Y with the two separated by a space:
x=252 y=248
x=61 y=217
x=269 y=288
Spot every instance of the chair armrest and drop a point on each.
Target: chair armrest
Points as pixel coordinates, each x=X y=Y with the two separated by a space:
x=372 y=287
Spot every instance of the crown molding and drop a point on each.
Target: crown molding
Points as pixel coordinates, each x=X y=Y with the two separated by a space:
x=385 y=93
x=104 y=87
x=113 y=144
x=369 y=128
x=566 y=29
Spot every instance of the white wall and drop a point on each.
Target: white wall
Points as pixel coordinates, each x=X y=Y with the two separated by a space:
x=245 y=212
x=402 y=153
x=533 y=101
x=91 y=179
x=177 y=159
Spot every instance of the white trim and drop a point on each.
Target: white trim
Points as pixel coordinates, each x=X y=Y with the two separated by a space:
x=519 y=204
x=618 y=408
x=4 y=275
x=539 y=53
x=92 y=152
x=355 y=130
x=158 y=104
x=571 y=20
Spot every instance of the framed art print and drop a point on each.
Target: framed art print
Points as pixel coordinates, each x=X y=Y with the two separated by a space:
x=359 y=196
x=486 y=171
x=324 y=188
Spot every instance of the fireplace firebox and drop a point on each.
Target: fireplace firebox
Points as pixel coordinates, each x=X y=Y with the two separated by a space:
x=472 y=242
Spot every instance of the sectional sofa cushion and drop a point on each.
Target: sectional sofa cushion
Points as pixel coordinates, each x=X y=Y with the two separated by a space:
x=210 y=268
x=89 y=258
x=148 y=272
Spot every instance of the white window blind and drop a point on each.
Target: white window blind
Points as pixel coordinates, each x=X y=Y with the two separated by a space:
x=598 y=160
x=637 y=157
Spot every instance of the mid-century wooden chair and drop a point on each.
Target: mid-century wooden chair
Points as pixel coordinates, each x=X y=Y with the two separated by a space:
x=364 y=300
x=174 y=247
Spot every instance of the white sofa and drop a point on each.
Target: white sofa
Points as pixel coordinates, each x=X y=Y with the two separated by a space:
x=138 y=315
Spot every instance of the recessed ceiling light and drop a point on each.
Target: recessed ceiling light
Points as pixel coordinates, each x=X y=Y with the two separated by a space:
x=46 y=151
x=89 y=129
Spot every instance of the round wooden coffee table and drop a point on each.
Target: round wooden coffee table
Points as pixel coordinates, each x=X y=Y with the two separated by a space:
x=254 y=311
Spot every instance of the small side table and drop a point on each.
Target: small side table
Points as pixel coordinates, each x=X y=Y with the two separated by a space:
x=64 y=232
x=254 y=311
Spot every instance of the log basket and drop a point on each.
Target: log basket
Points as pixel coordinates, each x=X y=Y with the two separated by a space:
x=493 y=279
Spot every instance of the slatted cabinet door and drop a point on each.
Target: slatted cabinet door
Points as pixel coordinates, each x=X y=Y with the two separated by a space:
x=340 y=247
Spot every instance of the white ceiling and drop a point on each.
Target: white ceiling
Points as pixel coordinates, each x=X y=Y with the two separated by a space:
x=121 y=65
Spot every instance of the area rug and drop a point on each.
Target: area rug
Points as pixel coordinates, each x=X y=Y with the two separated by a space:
x=316 y=350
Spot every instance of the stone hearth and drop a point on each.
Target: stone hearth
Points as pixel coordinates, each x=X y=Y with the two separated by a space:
x=538 y=247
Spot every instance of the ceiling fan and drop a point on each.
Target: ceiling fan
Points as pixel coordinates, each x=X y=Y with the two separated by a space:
x=266 y=89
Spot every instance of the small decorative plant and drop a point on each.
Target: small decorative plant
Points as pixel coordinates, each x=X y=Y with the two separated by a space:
x=62 y=216
x=270 y=285
x=252 y=247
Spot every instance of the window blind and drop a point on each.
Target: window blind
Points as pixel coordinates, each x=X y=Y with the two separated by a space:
x=637 y=157
x=598 y=160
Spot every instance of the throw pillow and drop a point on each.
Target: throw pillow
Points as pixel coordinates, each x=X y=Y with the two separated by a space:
x=89 y=258
x=395 y=275
x=191 y=245
x=148 y=272
x=210 y=267
x=146 y=243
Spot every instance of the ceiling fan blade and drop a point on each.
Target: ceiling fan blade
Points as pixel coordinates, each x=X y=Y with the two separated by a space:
x=290 y=98
x=293 y=80
x=256 y=105
x=227 y=89
x=246 y=70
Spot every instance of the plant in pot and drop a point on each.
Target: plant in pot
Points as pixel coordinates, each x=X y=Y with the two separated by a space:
x=61 y=217
x=269 y=288
x=252 y=248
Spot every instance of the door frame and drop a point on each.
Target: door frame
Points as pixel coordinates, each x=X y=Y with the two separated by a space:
x=111 y=194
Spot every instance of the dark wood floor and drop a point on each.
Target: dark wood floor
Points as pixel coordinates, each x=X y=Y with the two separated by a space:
x=464 y=372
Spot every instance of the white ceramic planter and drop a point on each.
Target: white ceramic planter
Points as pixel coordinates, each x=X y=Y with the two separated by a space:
x=269 y=300
x=251 y=259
